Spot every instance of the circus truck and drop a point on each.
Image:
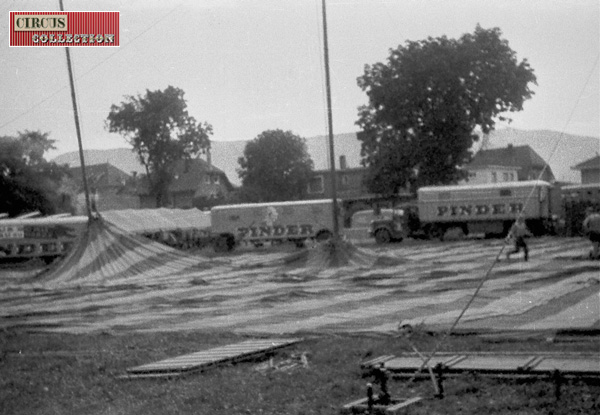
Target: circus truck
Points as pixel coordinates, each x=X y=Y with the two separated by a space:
x=488 y=209
x=46 y=237
x=259 y=223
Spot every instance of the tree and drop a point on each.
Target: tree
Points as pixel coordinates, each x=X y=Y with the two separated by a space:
x=27 y=181
x=275 y=166
x=161 y=132
x=427 y=101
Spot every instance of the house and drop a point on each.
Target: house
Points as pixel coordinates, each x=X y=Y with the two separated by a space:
x=349 y=183
x=511 y=163
x=195 y=183
x=590 y=170
x=491 y=174
x=109 y=187
x=350 y=188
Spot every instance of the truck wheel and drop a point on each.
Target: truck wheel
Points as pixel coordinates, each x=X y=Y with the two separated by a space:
x=299 y=243
x=223 y=243
x=323 y=236
x=436 y=232
x=454 y=233
x=382 y=236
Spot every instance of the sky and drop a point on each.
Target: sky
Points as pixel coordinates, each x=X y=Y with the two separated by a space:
x=247 y=66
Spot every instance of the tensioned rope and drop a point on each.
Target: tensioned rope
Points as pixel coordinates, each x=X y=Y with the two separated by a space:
x=493 y=264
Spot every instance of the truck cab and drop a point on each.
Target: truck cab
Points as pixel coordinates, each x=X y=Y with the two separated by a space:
x=388 y=227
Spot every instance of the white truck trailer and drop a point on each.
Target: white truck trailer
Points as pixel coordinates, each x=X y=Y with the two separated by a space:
x=486 y=208
x=258 y=223
x=45 y=237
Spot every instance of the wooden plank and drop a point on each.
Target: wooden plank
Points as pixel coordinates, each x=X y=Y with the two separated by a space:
x=454 y=360
x=493 y=363
x=376 y=361
x=133 y=376
x=411 y=363
x=569 y=366
x=499 y=364
x=211 y=357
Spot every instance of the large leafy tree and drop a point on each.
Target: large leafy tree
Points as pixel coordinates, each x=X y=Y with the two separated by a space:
x=275 y=166
x=161 y=132
x=27 y=181
x=427 y=102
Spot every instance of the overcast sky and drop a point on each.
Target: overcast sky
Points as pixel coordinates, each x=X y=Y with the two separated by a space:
x=251 y=65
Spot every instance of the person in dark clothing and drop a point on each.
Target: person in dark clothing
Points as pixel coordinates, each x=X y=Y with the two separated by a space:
x=591 y=228
x=518 y=232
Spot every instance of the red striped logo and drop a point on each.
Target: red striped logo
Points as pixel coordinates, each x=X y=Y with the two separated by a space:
x=64 y=28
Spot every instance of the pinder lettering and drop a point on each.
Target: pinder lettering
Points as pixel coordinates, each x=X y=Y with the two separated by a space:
x=482 y=209
x=306 y=229
x=515 y=207
x=499 y=209
x=466 y=210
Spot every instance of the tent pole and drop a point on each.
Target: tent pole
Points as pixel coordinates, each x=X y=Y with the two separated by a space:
x=78 y=129
x=336 y=229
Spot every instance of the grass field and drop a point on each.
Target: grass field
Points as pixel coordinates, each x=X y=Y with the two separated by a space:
x=64 y=347
x=57 y=373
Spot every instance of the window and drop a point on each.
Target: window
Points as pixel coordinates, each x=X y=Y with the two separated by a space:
x=215 y=179
x=206 y=179
x=344 y=181
x=316 y=185
x=505 y=177
x=505 y=192
x=494 y=177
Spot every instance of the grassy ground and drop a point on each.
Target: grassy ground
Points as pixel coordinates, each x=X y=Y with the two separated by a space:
x=45 y=373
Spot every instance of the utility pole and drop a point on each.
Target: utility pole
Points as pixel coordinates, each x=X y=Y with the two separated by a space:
x=336 y=228
x=78 y=129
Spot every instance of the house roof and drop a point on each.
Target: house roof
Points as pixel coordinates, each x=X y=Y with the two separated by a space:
x=187 y=174
x=511 y=156
x=593 y=163
x=353 y=170
x=100 y=175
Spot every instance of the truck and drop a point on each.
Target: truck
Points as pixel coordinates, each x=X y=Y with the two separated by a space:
x=258 y=223
x=488 y=209
x=388 y=225
x=46 y=237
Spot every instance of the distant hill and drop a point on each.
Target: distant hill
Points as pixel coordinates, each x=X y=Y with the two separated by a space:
x=561 y=151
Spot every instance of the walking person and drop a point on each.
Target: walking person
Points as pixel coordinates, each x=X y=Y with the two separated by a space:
x=591 y=228
x=518 y=232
